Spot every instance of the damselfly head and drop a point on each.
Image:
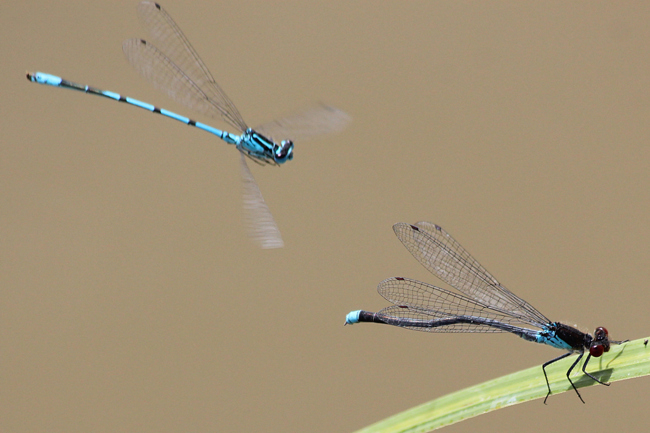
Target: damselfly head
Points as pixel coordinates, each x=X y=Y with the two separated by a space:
x=283 y=152
x=600 y=343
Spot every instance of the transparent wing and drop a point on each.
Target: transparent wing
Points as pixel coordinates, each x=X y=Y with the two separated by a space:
x=314 y=120
x=437 y=251
x=394 y=314
x=258 y=220
x=175 y=68
x=421 y=301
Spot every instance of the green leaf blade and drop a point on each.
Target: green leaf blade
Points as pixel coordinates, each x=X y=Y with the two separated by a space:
x=625 y=361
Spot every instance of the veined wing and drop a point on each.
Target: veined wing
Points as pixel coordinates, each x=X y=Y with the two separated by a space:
x=258 y=220
x=401 y=316
x=314 y=120
x=437 y=251
x=175 y=68
x=420 y=301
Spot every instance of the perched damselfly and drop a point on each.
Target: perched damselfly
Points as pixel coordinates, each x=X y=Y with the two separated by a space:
x=486 y=306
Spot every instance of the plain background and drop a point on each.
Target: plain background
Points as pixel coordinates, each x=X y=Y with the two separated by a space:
x=133 y=301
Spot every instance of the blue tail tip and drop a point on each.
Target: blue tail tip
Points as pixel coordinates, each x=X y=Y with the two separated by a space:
x=43 y=78
x=352 y=317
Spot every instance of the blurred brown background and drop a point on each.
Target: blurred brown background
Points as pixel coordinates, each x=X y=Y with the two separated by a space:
x=133 y=301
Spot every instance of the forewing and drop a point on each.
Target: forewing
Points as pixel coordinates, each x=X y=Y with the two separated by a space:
x=437 y=251
x=171 y=46
x=258 y=220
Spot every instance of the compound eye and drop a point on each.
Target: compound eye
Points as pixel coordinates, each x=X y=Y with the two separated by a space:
x=596 y=350
x=600 y=332
x=284 y=151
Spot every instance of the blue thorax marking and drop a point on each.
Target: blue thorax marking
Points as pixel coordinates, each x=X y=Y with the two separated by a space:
x=256 y=143
x=261 y=147
x=550 y=337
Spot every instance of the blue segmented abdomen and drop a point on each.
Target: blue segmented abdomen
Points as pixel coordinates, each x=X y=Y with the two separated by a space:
x=53 y=80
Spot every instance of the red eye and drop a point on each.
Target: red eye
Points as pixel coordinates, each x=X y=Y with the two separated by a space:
x=596 y=350
x=600 y=331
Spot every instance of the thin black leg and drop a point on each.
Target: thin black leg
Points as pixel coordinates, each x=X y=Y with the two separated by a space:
x=568 y=373
x=589 y=374
x=546 y=377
